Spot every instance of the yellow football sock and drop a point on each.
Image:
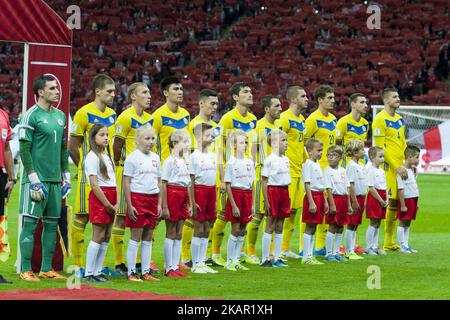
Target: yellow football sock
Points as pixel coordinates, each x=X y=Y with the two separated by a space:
x=288 y=230
x=302 y=231
x=209 y=249
x=218 y=233
x=78 y=227
x=390 y=226
x=186 y=238
x=252 y=235
x=117 y=237
x=321 y=235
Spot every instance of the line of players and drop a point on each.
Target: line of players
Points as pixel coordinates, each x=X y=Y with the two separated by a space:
x=321 y=132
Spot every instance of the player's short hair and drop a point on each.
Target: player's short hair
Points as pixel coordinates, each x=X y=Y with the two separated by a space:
x=353 y=146
x=236 y=88
x=206 y=93
x=267 y=101
x=292 y=92
x=311 y=144
x=132 y=87
x=235 y=135
x=40 y=82
x=275 y=136
x=177 y=136
x=336 y=149
x=100 y=81
x=200 y=128
x=386 y=92
x=411 y=151
x=167 y=82
x=141 y=131
x=354 y=97
x=373 y=151
x=322 y=91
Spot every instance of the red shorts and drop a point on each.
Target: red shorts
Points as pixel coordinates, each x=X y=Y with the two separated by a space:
x=317 y=217
x=244 y=201
x=147 y=211
x=374 y=209
x=356 y=218
x=411 y=204
x=280 y=203
x=341 y=217
x=97 y=211
x=177 y=202
x=205 y=197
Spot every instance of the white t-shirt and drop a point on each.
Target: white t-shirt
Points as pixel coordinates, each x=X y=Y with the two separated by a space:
x=312 y=173
x=175 y=171
x=276 y=169
x=144 y=170
x=204 y=167
x=240 y=173
x=409 y=185
x=336 y=180
x=92 y=168
x=356 y=173
x=376 y=178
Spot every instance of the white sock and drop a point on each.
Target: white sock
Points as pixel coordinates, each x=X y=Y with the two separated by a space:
x=100 y=258
x=195 y=247
x=329 y=243
x=401 y=236
x=231 y=247
x=91 y=257
x=375 y=239
x=203 y=249
x=176 y=254
x=354 y=240
x=307 y=246
x=238 y=248
x=349 y=240
x=132 y=251
x=168 y=253
x=406 y=236
x=266 y=240
x=337 y=243
x=146 y=256
x=277 y=245
x=311 y=245
x=370 y=235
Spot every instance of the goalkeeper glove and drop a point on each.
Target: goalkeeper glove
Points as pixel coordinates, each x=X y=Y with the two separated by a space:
x=66 y=185
x=38 y=191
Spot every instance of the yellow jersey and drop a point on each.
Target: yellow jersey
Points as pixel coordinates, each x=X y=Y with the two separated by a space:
x=295 y=128
x=231 y=121
x=348 y=128
x=263 y=128
x=322 y=128
x=126 y=125
x=85 y=118
x=165 y=122
x=216 y=132
x=389 y=134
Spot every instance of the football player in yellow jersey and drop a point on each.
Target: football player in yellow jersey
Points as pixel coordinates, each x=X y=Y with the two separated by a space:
x=85 y=118
x=170 y=116
x=208 y=104
x=321 y=124
x=238 y=118
x=293 y=123
x=353 y=127
x=272 y=109
x=124 y=143
x=388 y=129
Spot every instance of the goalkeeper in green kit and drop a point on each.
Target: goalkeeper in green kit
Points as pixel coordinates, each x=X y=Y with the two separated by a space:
x=43 y=151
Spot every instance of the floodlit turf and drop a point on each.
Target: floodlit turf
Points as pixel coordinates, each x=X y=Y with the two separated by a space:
x=416 y=276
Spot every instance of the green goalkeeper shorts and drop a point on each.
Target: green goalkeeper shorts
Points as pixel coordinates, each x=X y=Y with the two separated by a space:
x=50 y=207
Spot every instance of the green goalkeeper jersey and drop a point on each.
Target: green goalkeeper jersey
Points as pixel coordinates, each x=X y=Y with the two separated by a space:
x=46 y=132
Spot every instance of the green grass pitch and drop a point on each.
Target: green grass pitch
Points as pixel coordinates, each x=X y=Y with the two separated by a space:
x=416 y=276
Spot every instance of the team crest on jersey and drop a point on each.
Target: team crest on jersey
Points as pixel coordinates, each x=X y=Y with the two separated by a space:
x=154 y=163
x=185 y=120
x=252 y=125
x=60 y=122
x=249 y=168
x=111 y=119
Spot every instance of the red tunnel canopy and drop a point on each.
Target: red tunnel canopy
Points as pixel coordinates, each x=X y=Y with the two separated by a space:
x=32 y=21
